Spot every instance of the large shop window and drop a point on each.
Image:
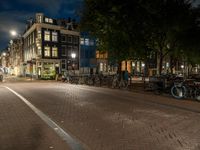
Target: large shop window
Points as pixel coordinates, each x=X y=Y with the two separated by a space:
x=47 y=51
x=54 y=52
x=47 y=35
x=54 y=36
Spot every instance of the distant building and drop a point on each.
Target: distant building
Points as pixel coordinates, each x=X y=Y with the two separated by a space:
x=15 y=61
x=88 y=63
x=49 y=45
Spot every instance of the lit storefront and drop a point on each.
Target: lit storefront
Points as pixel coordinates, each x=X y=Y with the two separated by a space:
x=47 y=69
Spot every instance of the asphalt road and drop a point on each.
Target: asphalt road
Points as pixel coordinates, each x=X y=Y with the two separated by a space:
x=60 y=116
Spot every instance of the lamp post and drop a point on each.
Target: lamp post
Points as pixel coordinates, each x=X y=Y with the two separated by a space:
x=182 y=69
x=73 y=55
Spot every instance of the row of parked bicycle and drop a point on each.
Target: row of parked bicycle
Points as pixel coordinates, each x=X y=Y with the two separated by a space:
x=178 y=87
x=113 y=81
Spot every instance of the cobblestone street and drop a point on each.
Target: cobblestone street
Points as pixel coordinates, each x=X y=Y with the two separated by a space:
x=99 y=118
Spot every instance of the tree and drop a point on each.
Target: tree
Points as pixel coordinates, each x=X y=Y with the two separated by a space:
x=132 y=29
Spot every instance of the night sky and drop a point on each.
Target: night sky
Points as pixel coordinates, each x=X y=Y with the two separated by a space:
x=14 y=13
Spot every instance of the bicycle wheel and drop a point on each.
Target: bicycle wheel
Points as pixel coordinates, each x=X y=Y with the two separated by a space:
x=197 y=94
x=178 y=92
x=123 y=84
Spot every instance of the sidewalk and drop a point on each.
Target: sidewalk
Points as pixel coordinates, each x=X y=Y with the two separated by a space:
x=10 y=78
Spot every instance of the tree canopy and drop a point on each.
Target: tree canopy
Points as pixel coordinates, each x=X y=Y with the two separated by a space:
x=131 y=29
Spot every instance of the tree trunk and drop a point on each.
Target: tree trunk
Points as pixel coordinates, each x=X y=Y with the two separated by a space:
x=119 y=69
x=160 y=62
x=160 y=65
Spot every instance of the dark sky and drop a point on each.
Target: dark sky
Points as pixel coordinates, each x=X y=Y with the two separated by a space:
x=14 y=13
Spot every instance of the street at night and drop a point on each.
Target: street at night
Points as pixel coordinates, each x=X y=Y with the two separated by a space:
x=99 y=75
x=94 y=118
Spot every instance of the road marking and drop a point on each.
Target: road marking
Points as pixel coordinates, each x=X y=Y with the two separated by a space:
x=73 y=143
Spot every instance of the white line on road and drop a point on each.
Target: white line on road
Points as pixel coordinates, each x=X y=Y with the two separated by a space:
x=73 y=143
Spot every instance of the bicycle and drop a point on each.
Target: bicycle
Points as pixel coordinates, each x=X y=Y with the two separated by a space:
x=186 y=89
x=119 y=82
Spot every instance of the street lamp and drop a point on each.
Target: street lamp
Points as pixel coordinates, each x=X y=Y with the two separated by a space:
x=13 y=33
x=73 y=55
x=4 y=54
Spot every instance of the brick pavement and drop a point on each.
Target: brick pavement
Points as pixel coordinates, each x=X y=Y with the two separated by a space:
x=105 y=119
x=21 y=129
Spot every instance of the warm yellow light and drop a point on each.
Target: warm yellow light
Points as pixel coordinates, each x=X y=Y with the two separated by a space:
x=13 y=32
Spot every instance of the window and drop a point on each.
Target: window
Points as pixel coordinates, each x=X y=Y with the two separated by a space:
x=69 y=50
x=54 y=52
x=39 y=19
x=63 y=64
x=75 y=48
x=39 y=34
x=48 y=20
x=86 y=41
x=64 y=50
x=69 y=39
x=47 y=51
x=82 y=41
x=63 y=38
x=91 y=42
x=54 y=36
x=47 y=35
x=39 y=50
x=75 y=39
x=33 y=37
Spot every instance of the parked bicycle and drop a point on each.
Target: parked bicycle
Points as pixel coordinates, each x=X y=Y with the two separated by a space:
x=162 y=84
x=188 y=88
x=119 y=82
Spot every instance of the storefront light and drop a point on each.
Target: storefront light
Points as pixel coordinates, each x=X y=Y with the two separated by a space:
x=143 y=64
x=133 y=64
x=167 y=64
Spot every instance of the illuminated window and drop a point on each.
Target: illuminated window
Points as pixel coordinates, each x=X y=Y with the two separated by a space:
x=39 y=34
x=82 y=41
x=54 y=36
x=47 y=51
x=39 y=19
x=47 y=35
x=54 y=52
x=39 y=50
x=33 y=37
x=86 y=41
x=48 y=20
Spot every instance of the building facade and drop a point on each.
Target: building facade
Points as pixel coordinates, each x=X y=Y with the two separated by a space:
x=15 y=53
x=88 y=63
x=48 y=47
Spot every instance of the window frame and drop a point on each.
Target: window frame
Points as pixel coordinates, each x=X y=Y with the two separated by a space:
x=54 y=36
x=53 y=50
x=49 y=51
x=47 y=35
